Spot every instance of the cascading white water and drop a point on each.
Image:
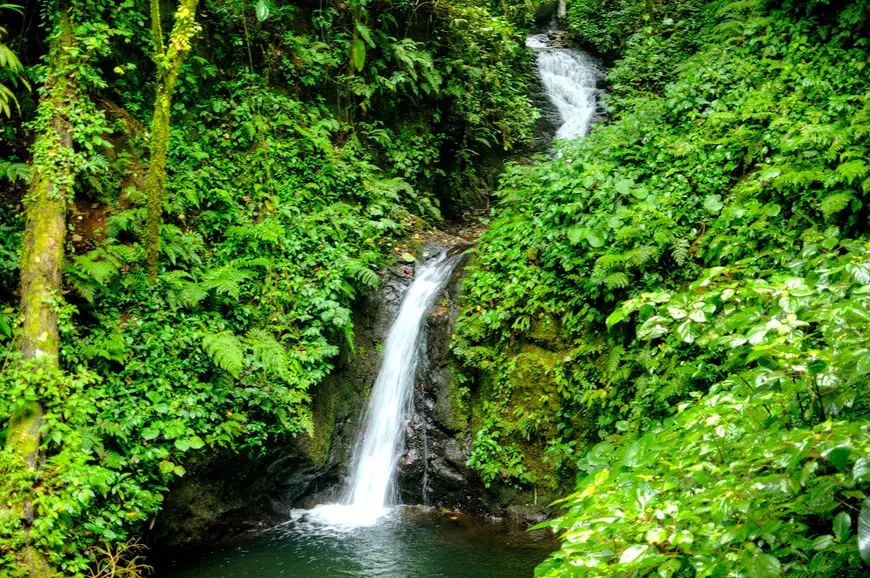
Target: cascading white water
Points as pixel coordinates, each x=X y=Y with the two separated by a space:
x=390 y=404
x=371 y=489
x=570 y=78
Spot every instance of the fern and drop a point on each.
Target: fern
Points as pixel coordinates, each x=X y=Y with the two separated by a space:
x=833 y=204
x=226 y=280
x=680 y=251
x=853 y=170
x=112 y=347
x=614 y=359
x=129 y=221
x=15 y=171
x=640 y=255
x=270 y=354
x=608 y=261
x=269 y=231
x=225 y=351
x=181 y=246
x=360 y=273
x=182 y=292
x=95 y=269
x=618 y=280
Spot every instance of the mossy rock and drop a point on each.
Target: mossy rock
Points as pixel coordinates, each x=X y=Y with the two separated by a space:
x=532 y=389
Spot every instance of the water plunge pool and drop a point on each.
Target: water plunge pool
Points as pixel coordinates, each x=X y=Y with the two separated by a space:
x=409 y=542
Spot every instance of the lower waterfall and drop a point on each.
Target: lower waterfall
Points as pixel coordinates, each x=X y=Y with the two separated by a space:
x=371 y=487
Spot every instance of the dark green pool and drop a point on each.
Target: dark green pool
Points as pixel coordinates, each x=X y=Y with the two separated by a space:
x=408 y=543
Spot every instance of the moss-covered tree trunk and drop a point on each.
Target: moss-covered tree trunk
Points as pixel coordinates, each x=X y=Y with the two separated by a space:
x=169 y=61
x=38 y=340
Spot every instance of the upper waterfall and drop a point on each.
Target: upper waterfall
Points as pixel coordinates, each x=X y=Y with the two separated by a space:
x=570 y=79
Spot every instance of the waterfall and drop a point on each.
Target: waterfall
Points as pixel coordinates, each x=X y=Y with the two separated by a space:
x=570 y=78
x=371 y=486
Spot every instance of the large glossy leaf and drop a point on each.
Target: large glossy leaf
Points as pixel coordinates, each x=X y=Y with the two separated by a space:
x=864 y=531
x=262 y=10
x=358 y=54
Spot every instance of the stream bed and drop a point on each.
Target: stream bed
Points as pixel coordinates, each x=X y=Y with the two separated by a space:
x=408 y=543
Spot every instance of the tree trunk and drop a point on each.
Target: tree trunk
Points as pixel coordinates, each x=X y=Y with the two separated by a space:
x=38 y=340
x=169 y=61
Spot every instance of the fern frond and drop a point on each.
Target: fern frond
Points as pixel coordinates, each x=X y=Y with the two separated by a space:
x=608 y=261
x=640 y=255
x=680 y=251
x=835 y=203
x=853 y=170
x=618 y=280
x=226 y=280
x=615 y=358
x=360 y=273
x=269 y=353
x=15 y=171
x=225 y=351
x=269 y=231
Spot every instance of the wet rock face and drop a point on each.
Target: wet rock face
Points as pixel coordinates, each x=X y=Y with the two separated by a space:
x=433 y=469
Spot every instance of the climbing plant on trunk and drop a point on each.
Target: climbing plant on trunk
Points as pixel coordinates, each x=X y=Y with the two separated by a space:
x=38 y=340
x=168 y=60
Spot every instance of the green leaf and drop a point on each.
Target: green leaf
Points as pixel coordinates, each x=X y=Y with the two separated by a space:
x=839 y=456
x=150 y=433
x=366 y=33
x=262 y=10
x=860 y=272
x=765 y=566
x=357 y=55
x=861 y=469
x=166 y=467
x=713 y=203
x=632 y=553
x=772 y=209
x=669 y=568
x=864 y=531
x=842 y=526
x=615 y=317
x=822 y=542
x=624 y=186
x=576 y=234
x=595 y=238
x=600 y=454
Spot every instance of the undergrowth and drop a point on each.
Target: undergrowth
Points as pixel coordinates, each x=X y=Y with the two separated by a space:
x=703 y=265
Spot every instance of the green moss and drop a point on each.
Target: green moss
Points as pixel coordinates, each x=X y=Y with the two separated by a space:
x=323 y=414
x=449 y=406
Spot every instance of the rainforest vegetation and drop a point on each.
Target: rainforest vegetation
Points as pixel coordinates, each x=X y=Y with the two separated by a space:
x=688 y=289
x=665 y=322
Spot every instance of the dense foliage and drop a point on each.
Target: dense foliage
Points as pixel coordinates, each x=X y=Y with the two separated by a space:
x=687 y=288
x=307 y=139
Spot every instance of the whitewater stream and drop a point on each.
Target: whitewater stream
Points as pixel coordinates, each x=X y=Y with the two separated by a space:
x=570 y=79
